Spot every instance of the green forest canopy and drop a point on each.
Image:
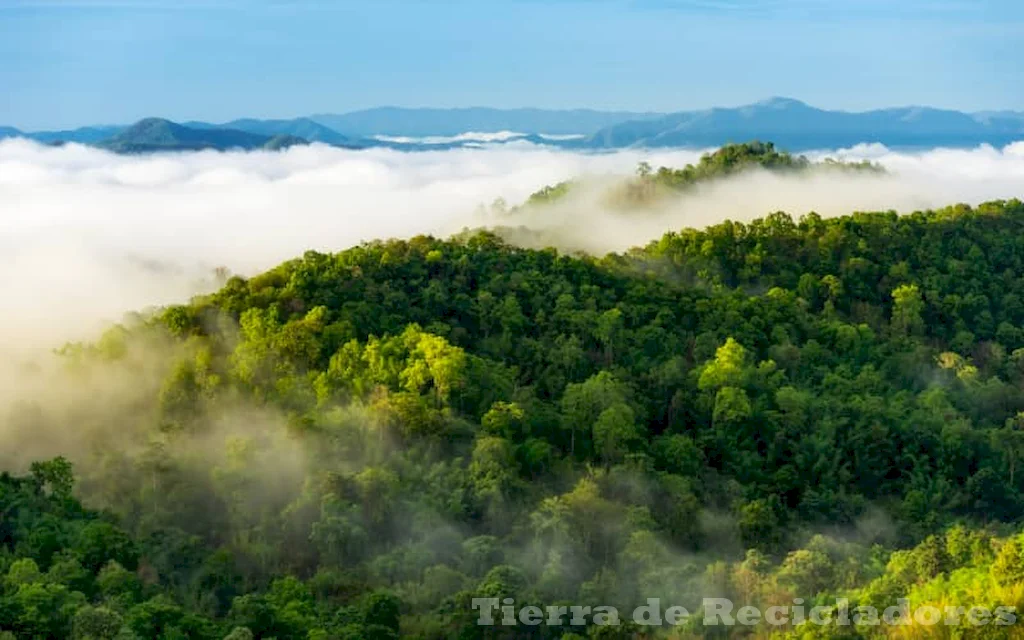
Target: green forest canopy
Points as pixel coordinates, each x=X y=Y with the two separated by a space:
x=649 y=184
x=788 y=408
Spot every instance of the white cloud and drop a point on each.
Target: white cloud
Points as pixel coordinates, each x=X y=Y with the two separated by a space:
x=87 y=235
x=472 y=136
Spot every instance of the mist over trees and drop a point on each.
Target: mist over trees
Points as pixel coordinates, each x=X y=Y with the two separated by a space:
x=357 y=444
x=651 y=185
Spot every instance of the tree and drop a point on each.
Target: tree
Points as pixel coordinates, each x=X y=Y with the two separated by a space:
x=907 y=309
x=493 y=473
x=732 y=406
x=759 y=525
x=1010 y=441
x=505 y=420
x=678 y=454
x=433 y=364
x=808 y=572
x=101 y=542
x=381 y=609
x=503 y=581
x=239 y=633
x=728 y=369
x=118 y=586
x=615 y=432
x=1008 y=568
x=56 y=475
x=583 y=403
x=610 y=327
x=95 y=623
x=22 y=572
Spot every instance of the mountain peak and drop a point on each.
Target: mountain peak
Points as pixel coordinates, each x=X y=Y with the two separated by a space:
x=779 y=102
x=159 y=134
x=152 y=129
x=151 y=120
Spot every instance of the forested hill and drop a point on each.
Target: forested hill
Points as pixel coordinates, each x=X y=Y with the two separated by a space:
x=157 y=134
x=355 y=445
x=651 y=185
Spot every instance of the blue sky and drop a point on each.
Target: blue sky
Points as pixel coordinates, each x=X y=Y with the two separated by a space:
x=73 y=62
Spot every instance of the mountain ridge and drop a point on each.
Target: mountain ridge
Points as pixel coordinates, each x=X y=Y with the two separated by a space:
x=790 y=123
x=798 y=126
x=301 y=127
x=159 y=134
x=429 y=121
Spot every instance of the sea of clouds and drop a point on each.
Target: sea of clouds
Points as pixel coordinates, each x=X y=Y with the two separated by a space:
x=87 y=235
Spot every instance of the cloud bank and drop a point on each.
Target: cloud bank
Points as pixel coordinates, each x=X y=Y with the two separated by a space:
x=86 y=235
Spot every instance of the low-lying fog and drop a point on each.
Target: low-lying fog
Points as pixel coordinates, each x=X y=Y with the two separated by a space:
x=86 y=235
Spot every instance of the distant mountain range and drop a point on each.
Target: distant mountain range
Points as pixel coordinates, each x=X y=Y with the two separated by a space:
x=794 y=125
x=157 y=134
x=422 y=123
x=304 y=128
x=82 y=135
x=789 y=123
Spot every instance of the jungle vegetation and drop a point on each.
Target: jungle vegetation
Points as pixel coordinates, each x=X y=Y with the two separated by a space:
x=356 y=444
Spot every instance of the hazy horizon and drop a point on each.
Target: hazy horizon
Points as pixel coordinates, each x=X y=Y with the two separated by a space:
x=468 y=107
x=91 y=61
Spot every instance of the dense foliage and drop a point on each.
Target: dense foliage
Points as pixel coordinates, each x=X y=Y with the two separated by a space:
x=355 y=445
x=650 y=185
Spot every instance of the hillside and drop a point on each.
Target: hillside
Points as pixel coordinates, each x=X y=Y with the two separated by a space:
x=355 y=445
x=1006 y=120
x=304 y=128
x=157 y=134
x=652 y=186
x=81 y=135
